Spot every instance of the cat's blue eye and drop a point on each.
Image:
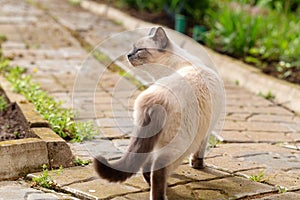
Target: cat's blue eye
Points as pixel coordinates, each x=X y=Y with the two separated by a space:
x=142 y=52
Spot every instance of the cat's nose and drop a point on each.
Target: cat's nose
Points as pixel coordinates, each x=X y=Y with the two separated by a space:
x=130 y=55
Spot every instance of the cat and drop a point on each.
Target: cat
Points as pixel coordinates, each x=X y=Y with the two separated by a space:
x=173 y=117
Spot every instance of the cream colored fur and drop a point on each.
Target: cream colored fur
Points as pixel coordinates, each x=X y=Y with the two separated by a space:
x=192 y=97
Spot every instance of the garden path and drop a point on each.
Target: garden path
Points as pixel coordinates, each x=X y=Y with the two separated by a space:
x=50 y=39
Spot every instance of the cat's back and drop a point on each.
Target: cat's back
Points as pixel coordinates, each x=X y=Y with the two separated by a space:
x=182 y=85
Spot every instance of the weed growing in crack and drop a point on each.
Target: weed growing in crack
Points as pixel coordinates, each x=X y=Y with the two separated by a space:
x=281 y=189
x=17 y=134
x=213 y=141
x=79 y=162
x=269 y=95
x=75 y=2
x=3 y=103
x=45 y=180
x=236 y=82
x=259 y=177
x=2 y=38
x=84 y=131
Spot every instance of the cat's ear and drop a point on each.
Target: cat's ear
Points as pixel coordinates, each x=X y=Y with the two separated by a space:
x=160 y=37
x=152 y=31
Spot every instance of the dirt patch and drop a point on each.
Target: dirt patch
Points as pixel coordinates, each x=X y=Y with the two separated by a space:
x=156 y=18
x=12 y=123
x=293 y=73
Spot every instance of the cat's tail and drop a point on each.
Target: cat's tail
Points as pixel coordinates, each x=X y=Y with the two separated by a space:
x=139 y=150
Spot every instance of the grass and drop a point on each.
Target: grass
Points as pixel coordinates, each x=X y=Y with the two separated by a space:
x=61 y=119
x=233 y=31
x=269 y=39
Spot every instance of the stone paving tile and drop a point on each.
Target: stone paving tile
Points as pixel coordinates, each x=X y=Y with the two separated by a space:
x=258 y=137
x=45 y=36
x=21 y=50
x=139 y=182
x=237 y=116
x=257 y=126
x=287 y=196
x=269 y=155
x=17 y=191
x=64 y=97
x=121 y=144
x=117 y=114
x=232 y=187
x=142 y=196
x=235 y=101
x=174 y=193
x=103 y=189
x=111 y=133
x=49 y=83
x=73 y=175
x=187 y=172
x=264 y=127
x=102 y=147
x=18 y=8
x=233 y=126
x=271 y=118
x=114 y=106
x=288 y=178
x=258 y=110
x=223 y=188
x=114 y=122
x=55 y=67
x=14 y=39
x=278 y=163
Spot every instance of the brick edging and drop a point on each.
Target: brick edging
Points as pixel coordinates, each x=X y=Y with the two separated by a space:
x=18 y=157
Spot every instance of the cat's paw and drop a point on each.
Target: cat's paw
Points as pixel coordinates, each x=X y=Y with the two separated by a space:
x=197 y=163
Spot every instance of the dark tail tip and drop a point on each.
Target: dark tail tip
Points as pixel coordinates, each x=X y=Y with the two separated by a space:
x=108 y=172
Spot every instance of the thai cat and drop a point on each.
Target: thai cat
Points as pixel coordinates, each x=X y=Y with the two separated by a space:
x=173 y=117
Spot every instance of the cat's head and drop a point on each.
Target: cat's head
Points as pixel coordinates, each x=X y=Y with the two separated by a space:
x=149 y=49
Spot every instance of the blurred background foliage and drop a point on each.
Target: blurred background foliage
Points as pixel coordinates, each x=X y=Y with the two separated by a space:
x=265 y=33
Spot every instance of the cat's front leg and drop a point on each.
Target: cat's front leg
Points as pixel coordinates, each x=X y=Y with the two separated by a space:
x=196 y=160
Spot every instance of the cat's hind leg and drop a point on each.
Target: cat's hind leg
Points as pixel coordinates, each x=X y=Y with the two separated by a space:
x=159 y=183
